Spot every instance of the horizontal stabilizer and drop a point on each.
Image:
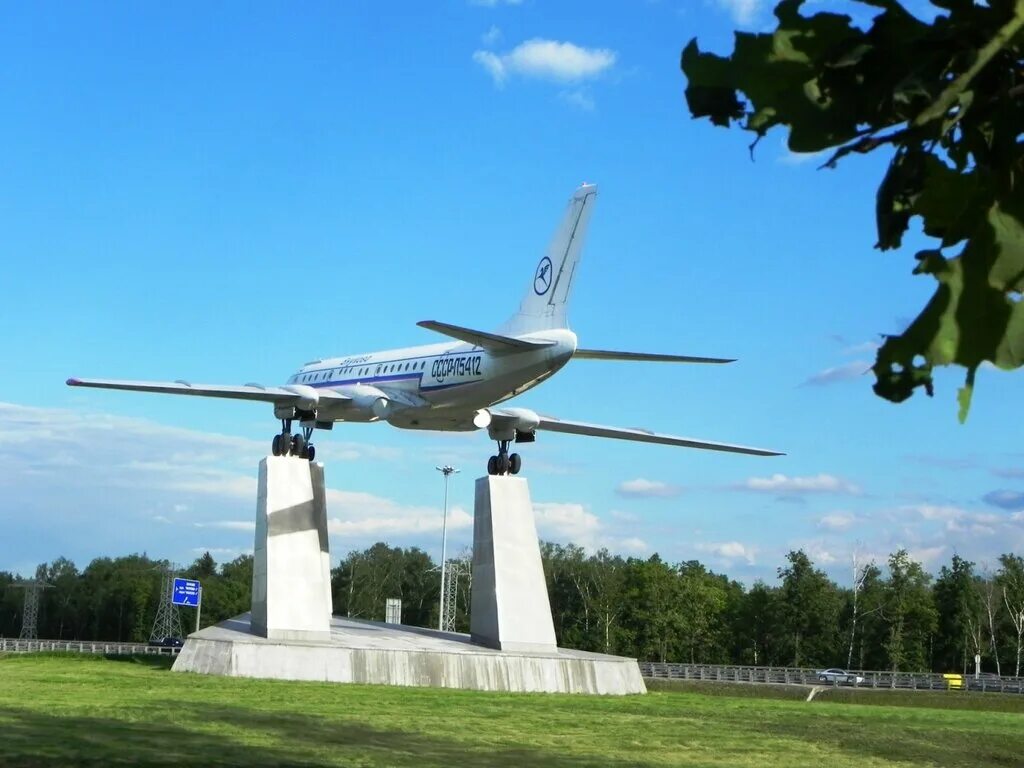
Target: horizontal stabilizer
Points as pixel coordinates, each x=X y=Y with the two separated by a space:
x=276 y=395
x=644 y=436
x=492 y=342
x=602 y=354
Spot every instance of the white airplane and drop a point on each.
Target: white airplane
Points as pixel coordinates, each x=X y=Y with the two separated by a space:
x=453 y=386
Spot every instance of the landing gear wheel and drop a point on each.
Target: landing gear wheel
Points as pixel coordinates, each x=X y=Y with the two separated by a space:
x=492 y=465
x=515 y=463
x=310 y=452
x=277 y=445
x=503 y=463
x=298 y=445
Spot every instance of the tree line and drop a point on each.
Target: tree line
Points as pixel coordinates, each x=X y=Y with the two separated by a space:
x=894 y=616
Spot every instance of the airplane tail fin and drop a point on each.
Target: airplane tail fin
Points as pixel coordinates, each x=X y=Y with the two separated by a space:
x=544 y=305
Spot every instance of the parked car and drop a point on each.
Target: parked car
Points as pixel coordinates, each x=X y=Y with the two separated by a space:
x=839 y=677
x=167 y=642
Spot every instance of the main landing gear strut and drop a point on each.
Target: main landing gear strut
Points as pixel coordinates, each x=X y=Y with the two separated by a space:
x=287 y=444
x=503 y=463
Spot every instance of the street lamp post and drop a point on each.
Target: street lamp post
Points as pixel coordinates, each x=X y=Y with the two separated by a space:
x=447 y=471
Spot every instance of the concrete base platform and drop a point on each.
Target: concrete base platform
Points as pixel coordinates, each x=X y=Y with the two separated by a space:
x=390 y=654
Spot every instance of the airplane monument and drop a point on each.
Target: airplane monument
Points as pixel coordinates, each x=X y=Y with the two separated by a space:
x=453 y=386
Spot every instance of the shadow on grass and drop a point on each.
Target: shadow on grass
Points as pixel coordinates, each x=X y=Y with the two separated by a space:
x=155 y=661
x=37 y=739
x=396 y=748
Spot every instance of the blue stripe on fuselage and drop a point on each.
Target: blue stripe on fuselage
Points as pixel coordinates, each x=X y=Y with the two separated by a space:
x=384 y=379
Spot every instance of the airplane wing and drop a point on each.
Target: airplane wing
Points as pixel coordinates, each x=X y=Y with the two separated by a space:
x=286 y=395
x=603 y=354
x=644 y=436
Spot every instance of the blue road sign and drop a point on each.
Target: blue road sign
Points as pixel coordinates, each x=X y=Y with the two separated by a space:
x=186 y=592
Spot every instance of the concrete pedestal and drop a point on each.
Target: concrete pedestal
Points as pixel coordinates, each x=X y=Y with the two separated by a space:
x=290 y=634
x=371 y=652
x=291 y=578
x=509 y=604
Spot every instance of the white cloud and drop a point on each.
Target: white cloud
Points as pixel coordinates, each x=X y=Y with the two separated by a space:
x=229 y=525
x=204 y=485
x=836 y=374
x=358 y=514
x=642 y=488
x=491 y=36
x=378 y=526
x=965 y=524
x=936 y=511
x=742 y=11
x=783 y=484
x=566 y=522
x=547 y=60
x=579 y=98
x=820 y=554
x=927 y=556
x=569 y=522
x=493 y=64
x=633 y=544
x=729 y=551
x=837 y=521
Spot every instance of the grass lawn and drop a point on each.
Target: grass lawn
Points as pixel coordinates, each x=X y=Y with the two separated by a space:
x=81 y=710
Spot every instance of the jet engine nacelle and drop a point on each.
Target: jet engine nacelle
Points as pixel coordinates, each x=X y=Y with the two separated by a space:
x=308 y=396
x=513 y=423
x=525 y=419
x=367 y=403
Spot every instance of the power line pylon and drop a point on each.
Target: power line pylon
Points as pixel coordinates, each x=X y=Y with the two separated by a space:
x=168 y=620
x=455 y=570
x=30 y=613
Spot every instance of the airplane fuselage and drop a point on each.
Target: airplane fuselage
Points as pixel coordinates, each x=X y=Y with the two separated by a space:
x=444 y=382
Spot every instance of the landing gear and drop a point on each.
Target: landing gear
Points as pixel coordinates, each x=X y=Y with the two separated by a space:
x=286 y=443
x=503 y=463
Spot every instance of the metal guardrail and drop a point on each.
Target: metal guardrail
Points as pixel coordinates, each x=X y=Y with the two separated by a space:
x=916 y=681
x=85 y=646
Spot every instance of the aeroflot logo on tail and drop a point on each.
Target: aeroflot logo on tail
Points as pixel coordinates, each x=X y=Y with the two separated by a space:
x=463 y=365
x=542 y=280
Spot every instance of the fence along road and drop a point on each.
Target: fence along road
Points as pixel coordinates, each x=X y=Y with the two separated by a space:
x=916 y=681
x=85 y=646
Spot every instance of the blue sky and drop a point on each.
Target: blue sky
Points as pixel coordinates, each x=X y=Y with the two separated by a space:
x=220 y=194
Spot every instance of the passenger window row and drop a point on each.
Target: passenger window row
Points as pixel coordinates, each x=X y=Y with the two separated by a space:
x=393 y=368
